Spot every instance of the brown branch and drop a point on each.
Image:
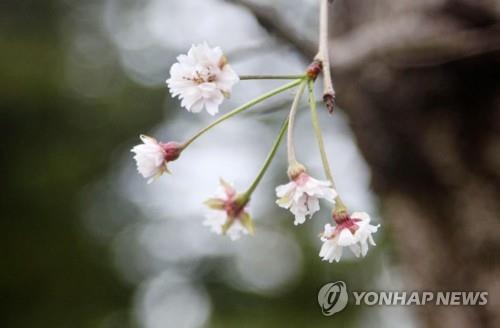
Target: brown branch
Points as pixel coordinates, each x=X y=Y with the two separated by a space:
x=409 y=39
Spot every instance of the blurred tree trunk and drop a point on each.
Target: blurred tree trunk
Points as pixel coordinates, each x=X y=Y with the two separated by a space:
x=420 y=82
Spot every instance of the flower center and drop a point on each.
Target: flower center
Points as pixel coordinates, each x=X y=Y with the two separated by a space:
x=233 y=209
x=346 y=223
x=200 y=77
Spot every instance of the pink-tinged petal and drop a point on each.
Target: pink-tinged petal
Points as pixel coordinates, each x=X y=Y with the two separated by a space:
x=228 y=188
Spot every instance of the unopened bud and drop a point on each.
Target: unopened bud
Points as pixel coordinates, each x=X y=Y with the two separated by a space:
x=329 y=100
x=314 y=69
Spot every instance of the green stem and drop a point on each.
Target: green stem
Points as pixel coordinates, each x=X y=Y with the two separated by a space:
x=268 y=160
x=271 y=77
x=340 y=206
x=292 y=160
x=241 y=109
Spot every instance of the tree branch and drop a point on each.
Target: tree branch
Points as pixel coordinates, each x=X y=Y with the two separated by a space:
x=323 y=56
x=410 y=39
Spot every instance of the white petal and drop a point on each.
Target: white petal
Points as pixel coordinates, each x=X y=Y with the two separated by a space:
x=299 y=219
x=215 y=220
x=363 y=216
x=196 y=106
x=212 y=105
x=346 y=238
x=356 y=250
x=312 y=205
x=282 y=190
x=148 y=140
x=236 y=230
x=337 y=254
x=370 y=238
x=329 y=230
x=364 y=247
x=149 y=157
x=227 y=79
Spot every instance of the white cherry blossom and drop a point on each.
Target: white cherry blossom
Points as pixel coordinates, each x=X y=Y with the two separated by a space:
x=354 y=231
x=302 y=194
x=152 y=156
x=227 y=213
x=202 y=79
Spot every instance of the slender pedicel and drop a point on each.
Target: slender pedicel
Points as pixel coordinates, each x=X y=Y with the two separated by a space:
x=292 y=161
x=241 y=109
x=339 y=204
x=271 y=77
x=268 y=160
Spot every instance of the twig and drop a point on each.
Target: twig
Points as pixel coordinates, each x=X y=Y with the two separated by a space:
x=324 y=58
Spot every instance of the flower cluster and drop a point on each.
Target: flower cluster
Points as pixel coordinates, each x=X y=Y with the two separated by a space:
x=203 y=79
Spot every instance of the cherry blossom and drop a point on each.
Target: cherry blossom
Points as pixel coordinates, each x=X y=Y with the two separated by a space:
x=202 y=79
